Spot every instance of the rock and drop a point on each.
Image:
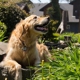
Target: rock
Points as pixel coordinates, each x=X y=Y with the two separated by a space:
x=3 y=47
x=61 y=42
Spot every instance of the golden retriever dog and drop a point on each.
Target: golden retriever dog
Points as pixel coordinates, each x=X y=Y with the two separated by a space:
x=23 y=49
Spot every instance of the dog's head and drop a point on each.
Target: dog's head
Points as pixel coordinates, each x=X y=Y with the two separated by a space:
x=37 y=24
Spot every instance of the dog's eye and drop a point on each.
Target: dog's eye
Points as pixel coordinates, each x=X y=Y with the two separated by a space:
x=35 y=17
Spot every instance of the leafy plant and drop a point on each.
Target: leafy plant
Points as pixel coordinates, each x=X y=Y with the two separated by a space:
x=51 y=29
x=76 y=38
x=66 y=66
x=3 y=30
x=61 y=37
x=56 y=37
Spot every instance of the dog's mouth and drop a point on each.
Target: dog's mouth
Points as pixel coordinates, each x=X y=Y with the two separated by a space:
x=43 y=28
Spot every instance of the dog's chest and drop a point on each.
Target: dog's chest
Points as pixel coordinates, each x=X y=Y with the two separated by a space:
x=29 y=56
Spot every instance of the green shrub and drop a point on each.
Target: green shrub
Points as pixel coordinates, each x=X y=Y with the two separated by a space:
x=11 y=14
x=3 y=30
x=51 y=29
x=76 y=38
x=61 y=37
x=56 y=37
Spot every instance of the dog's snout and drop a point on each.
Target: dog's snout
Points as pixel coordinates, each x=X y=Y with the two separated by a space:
x=48 y=18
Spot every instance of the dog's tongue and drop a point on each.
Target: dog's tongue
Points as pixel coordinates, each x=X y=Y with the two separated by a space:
x=41 y=28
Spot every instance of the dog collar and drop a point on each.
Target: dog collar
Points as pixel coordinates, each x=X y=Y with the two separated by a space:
x=24 y=48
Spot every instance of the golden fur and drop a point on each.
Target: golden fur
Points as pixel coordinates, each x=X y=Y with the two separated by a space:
x=23 y=49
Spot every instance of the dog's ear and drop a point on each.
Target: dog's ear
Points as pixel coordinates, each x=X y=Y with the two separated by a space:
x=21 y=28
x=24 y=29
x=21 y=19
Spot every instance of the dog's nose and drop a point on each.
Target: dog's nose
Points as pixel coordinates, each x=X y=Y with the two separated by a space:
x=48 y=18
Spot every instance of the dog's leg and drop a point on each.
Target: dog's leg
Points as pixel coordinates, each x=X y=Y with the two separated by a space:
x=37 y=62
x=13 y=67
x=18 y=75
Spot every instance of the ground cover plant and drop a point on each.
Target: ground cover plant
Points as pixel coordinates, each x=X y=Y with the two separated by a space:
x=65 y=66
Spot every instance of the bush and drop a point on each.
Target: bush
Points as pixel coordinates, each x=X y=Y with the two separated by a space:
x=76 y=38
x=3 y=30
x=56 y=37
x=11 y=15
x=51 y=29
x=61 y=37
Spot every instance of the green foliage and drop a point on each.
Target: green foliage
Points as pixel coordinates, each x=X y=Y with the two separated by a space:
x=14 y=1
x=55 y=15
x=51 y=29
x=3 y=30
x=57 y=11
x=56 y=37
x=66 y=66
x=11 y=14
x=61 y=37
x=28 y=2
x=75 y=38
x=50 y=12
